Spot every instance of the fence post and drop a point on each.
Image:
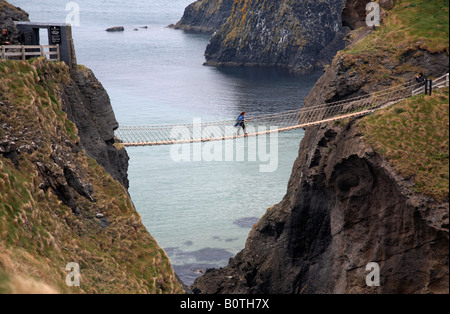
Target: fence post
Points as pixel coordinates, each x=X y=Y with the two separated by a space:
x=428 y=87
x=23 y=52
x=3 y=52
x=446 y=81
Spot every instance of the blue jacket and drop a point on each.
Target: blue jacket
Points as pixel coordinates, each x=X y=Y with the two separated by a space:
x=240 y=121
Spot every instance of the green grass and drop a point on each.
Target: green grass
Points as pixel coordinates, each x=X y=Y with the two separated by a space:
x=238 y=28
x=414 y=137
x=4 y=283
x=39 y=235
x=410 y=25
x=412 y=31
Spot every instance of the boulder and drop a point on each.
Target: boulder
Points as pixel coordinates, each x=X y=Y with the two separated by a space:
x=115 y=29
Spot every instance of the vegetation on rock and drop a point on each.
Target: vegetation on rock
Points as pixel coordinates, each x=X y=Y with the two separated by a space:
x=58 y=206
x=414 y=137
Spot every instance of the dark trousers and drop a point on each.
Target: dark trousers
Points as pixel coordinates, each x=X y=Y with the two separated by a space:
x=242 y=125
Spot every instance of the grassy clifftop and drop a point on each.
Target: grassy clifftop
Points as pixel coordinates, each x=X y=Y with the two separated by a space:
x=58 y=206
x=414 y=137
x=410 y=25
x=411 y=34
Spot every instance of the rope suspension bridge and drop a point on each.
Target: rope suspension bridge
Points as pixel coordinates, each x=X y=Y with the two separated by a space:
x=130 y=136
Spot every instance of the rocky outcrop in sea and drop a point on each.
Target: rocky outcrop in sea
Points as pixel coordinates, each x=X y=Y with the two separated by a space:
x=205 y=16
x=299 y=35
x=278 y=33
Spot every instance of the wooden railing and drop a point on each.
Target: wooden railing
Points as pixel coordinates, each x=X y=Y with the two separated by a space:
x=28 y=51
x=428 y=85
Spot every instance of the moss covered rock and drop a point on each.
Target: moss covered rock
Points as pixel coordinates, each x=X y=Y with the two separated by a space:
x=57 y=204
x=287 y=33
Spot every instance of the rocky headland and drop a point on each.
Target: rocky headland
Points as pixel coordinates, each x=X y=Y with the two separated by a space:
x=205 y=16
x=299 y=35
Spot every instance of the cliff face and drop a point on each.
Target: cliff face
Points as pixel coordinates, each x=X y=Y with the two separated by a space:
x=9 y=14
x=344 y=209
x=299 y=35
x=88 y=105
x=284 y=33
x=58 y=204
x=347 y=205
x=205 y=16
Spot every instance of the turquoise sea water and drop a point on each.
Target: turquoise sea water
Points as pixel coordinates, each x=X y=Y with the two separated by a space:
x=200 y=212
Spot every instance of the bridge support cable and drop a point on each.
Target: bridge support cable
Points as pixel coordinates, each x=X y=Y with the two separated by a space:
x=271 y=123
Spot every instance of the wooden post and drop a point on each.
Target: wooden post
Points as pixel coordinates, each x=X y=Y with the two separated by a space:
x=58 y=53
x=72 y=55
x=23 y=52
x=3 y=52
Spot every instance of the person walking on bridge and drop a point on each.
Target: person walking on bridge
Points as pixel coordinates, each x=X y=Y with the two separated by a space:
x=421 y=79
x=4 y=38
x=241 y=123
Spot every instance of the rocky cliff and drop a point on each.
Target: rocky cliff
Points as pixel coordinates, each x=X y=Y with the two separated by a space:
x=88 y=105
x=277 y=33
x=299 y=35
x=356 y=198
x=63 y=186
x=63 y=198
x=345 y=208
x=63 y=183
x=205 y=16
x=8 y=15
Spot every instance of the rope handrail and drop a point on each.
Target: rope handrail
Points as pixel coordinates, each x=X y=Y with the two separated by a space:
x=266 y=115
x=284 y=121
x=311 y=108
